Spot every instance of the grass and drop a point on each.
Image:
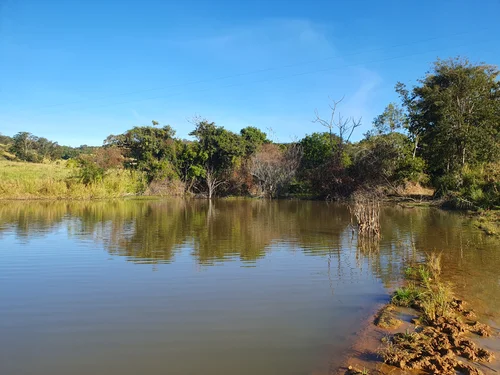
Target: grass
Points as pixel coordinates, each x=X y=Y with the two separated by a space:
x=19 y=180
x=425 y=290
x=406 y=296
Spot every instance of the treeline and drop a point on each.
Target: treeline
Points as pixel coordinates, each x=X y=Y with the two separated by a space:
x=443 y=134
x=28 y=147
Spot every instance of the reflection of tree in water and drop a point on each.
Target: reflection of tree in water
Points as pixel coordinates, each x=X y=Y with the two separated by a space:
x=154 y=231
x=30 y=220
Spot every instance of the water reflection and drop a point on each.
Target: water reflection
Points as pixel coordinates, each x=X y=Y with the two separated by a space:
x=294 y=281
x=153 y=231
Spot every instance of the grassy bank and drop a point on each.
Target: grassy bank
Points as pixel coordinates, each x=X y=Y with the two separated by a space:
x=58 y=180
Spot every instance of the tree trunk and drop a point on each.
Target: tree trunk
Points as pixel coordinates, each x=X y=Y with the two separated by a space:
x=415 y=148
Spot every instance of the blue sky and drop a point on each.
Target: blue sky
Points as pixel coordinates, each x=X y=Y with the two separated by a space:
x=76 y=71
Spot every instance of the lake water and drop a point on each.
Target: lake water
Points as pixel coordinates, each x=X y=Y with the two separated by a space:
x=229 y=287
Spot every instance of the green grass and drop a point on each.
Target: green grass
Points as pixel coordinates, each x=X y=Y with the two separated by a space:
x=425 y=290
x=405 y=296
x=20 y=180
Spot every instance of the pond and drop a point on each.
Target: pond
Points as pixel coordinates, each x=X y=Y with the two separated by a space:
x=228 y=287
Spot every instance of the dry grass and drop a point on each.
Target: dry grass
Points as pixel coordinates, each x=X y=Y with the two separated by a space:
x=19 y=180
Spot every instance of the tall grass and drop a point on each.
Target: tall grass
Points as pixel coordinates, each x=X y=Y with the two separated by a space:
x=20 y=180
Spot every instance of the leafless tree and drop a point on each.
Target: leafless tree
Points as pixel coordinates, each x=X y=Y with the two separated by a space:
x=213 y=181
x=274 y=168
x=339 y=125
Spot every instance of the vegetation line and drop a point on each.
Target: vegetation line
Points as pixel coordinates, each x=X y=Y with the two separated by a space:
x=441 y=141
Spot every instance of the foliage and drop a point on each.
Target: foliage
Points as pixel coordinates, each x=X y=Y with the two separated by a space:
x=89 y=171
x=218 y=151
x=317 y=149
x=29 y=147
x=4 y=139
x=455 y=112
x=393 y=118
x=149 y=149
x=405 y=296
x=445 y=133
x=386 y=158
x=253 y=138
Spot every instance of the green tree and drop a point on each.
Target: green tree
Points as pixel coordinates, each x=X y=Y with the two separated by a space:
x=386 y=159
x=253 y=138
x=220 y=150
x=149 y=149
x=4 y=139
x=454 y=115
x=393 y=118
x=29 y=147
x=317 y=149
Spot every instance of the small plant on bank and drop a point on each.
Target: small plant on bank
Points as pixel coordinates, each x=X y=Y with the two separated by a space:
x=405 y=296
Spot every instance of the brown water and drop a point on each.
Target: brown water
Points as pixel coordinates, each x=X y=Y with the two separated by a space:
x=231 y=287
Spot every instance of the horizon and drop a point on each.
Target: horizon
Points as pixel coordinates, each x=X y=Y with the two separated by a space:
x=77 y=72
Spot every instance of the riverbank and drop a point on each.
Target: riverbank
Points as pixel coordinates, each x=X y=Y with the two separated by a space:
x=60 y=181
x=424 y=329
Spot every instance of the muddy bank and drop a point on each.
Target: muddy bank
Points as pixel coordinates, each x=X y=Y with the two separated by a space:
x=424 y=330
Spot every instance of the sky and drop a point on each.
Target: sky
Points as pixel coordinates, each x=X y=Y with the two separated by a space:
x=76 y=71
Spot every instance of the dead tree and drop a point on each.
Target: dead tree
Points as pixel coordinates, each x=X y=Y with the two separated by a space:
x=213 y=181
x=274 y=169
x=338 y=125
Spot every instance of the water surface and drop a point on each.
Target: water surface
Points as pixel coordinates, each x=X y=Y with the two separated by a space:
x=229 y=287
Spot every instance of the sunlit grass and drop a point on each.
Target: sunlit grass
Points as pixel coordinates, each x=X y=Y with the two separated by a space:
x=19 y=180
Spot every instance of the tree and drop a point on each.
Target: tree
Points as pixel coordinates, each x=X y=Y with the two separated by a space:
x=317 y=149
x=4 y=139
x=386 y=159
x=392 y=119
x=340 y=129
x=253 y=138
x=29 y=147
x=219 y=149
x=190 y=163
x=274 y=168
x=149 y=149
x=454 y=113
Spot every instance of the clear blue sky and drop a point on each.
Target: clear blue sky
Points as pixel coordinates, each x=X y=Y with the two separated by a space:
x=75 y=71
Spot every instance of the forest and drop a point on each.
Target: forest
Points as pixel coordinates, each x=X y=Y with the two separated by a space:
x=442 y=136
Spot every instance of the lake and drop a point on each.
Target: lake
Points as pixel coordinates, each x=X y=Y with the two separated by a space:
x=228 y=287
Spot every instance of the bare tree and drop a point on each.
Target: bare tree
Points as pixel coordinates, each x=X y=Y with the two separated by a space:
x=342 y=126
x=274 y=168
x=213 y=181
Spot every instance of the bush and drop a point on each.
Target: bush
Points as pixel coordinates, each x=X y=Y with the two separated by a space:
x=89 y=172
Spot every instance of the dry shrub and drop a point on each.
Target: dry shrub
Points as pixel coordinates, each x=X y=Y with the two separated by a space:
x=166 y=188
x=366 y=210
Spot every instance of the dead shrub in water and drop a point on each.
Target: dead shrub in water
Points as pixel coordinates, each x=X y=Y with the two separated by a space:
x=366 y=210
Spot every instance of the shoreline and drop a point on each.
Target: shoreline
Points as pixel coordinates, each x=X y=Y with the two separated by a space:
x=394 y=331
